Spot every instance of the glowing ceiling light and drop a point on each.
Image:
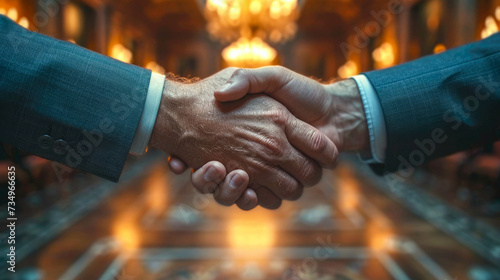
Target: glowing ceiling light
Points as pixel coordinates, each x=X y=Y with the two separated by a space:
x=255 y=7
x=249 y=53
x=214 y=4
x=228 y=20
x=275 y=9
x=497 y=13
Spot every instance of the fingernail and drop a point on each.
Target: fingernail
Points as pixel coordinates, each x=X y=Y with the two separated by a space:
x=211 y=174
x=236 y=181
x=224 y=87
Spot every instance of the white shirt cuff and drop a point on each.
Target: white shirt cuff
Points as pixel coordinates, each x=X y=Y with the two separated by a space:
x=375 y=119
x=148 y=117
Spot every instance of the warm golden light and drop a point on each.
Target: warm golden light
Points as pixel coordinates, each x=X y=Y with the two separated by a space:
x=3 y=11
x=384 y=56
x=121 y=53
x=72 y=21
x=349 y=69
x=380 y=239
x=275 y=10
x=249 y=53
x=24 y=23
x=490 y=27
x=12 y=14
x=230 y=19
x=497 y=13
x=255 y=7
x=439 y=48
x=127 y=235
x=157 y=193
x=349 y=197
x=155 y=67
x=251 y=234
x=380 y=233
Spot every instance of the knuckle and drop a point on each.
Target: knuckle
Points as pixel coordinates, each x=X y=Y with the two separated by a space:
x=334 y=159
x=318 y=142
x=310 y=172
x=281 y=69
x=272 y=205
x=239 y=72
x=279 y=115
x=223 y=200
x=292 y=190
x=245 y=204
x=273 y=146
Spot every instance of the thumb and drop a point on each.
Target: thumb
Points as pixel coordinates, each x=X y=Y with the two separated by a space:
x=234 y=89
x=266 y=80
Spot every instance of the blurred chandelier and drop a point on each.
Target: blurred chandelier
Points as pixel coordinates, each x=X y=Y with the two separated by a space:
x=250 y=22
x=249 y=53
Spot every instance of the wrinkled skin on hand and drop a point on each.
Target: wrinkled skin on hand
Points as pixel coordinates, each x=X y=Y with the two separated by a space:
x=251 y=134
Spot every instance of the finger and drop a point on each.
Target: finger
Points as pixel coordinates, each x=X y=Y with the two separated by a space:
x=267 y=198
x=245 y=81
x=176 y=165
x=311 y=142
x=232 y=188
x=208 y=177
x=248 y=200
x=281 y=184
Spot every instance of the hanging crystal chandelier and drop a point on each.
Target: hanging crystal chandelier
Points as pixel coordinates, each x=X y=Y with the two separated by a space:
x=248 y=23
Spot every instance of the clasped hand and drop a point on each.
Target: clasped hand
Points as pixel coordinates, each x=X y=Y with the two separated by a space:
x=262 y=148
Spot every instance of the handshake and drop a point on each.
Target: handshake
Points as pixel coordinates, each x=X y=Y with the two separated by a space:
x=258 y=136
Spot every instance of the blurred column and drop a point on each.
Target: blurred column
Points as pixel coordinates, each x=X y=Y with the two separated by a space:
x=465 y=22
x=403 y=33
x=102 y=30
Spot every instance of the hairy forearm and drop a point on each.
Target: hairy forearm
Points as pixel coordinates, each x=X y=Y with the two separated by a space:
x=166 y=129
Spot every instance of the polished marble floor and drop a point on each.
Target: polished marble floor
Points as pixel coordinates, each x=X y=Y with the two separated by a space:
x=153 y=225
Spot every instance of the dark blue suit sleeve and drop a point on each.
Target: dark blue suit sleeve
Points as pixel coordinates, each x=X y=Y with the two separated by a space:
x=440 y=104
x=68 y=104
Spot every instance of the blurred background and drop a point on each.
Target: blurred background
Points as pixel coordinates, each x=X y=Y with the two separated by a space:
x=442 y=223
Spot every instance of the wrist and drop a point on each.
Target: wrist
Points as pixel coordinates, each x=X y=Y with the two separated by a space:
x=166 y=129
x=349 y=116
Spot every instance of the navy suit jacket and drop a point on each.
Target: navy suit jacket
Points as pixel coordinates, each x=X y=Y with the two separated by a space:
x=68 y=104
x=440 y=104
